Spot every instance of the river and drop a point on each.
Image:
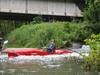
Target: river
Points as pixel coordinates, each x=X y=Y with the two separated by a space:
x=42 y=67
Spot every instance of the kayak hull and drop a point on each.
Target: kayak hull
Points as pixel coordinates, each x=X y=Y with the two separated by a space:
x=35 y=51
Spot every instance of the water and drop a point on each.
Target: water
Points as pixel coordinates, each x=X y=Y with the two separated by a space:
x=41 y=65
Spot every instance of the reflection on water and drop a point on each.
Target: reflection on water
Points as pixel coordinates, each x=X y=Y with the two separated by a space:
x=41 y=66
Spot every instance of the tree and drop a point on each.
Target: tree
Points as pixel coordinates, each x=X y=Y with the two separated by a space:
x=92 y=11
x=92 y=15
x=92 y=62
x=80 y=3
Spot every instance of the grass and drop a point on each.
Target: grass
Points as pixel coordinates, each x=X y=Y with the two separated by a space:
x=39 y=35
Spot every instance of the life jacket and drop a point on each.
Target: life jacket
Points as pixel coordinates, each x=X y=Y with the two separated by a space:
x=52 y=47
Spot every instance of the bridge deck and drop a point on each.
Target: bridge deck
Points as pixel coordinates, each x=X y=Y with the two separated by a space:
x=42 y=7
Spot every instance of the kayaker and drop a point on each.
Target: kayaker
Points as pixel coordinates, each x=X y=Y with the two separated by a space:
x=51 y=48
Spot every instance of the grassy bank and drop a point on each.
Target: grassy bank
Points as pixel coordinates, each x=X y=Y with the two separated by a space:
x=39 y=35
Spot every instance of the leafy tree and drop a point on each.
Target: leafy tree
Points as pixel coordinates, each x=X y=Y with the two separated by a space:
x=92 y=63
x=92 y=14
x=92 y=11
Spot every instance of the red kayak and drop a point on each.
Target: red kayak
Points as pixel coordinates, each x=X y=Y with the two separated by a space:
x=34 y=51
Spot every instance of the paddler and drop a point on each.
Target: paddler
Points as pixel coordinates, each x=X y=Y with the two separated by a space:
x=51 y=48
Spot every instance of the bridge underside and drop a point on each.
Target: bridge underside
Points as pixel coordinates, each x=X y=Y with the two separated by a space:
x=27 y=9
x=16 y=16
x=29 y=17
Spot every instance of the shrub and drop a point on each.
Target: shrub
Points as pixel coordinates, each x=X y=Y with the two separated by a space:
x=92 y=63
x=37 y=20
x=7 y=26
x=39 y=35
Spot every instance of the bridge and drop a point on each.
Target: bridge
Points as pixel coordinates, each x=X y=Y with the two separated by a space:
x=39 y=7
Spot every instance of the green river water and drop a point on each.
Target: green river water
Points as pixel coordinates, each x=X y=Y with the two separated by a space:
x=33 y=68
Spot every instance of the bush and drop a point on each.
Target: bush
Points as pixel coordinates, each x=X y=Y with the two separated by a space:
x=7 y=26
x=95 y=27
x=92 y=63
x=37 y=20
x=92 y=11
x=39 y=35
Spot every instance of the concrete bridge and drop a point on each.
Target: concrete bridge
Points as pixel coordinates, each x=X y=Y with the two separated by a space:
x=40 y=7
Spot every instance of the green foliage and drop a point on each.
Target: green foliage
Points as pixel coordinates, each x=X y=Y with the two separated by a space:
x=6 y=26
x=79 y=31
x=92 y=11
x=92 y=63
x=94 y=42
x=92 y=14
x=39 y=35
x=37 y=19
x=95 y=27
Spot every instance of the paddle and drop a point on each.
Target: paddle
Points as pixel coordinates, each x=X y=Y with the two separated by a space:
x=4 y=43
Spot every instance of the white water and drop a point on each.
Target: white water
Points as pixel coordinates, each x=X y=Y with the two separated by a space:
x=41 y=65
x=42 y=59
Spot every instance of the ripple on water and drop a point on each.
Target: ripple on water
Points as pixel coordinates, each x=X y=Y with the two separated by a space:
x=2 y=71
x=11 y=70
x=52 y=66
